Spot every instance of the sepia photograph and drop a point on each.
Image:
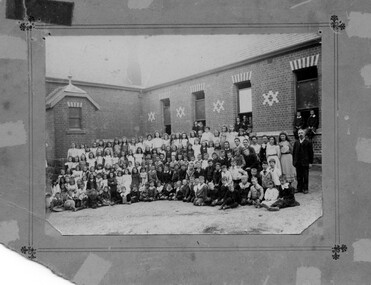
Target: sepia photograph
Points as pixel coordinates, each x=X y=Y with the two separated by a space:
x=183 y=134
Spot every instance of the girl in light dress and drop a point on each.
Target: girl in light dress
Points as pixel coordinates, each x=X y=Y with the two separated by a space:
x=127 y=180
x=140 y=143
x=166 y=139
x=177 y=141
x=288 y=168
x=184 y=141
x=273 y=151
x=91 y=159
x=107 y=157
x=270 y=196
x=196 y=147
x=130 y=157
x=223 y=135
x=157 y=140
x=192 y=137
x=148 y=142
x=133 y=145
x=138 y=156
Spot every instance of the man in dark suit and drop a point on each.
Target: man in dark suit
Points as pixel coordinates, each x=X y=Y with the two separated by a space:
x=302 y=160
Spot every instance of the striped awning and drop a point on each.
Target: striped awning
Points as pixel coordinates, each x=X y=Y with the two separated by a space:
x=74 y=104
x=197 y=87
x=304 y=62
x=241 y=77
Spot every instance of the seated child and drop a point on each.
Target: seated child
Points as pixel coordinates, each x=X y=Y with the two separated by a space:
x=212 y=194
x=266 y=175
x=286 y=197
x=217 y=176
x=56 y=203
x=105 y=196
x=270 y=197
x=254 y=173
x=180 y=190
x=200 y=192
x=230 y=199
x=275 y=171
x=92 y=198
x=149 y=192
x=81 y=196
x=167 y=192
x=135 y=194
x=209 y=171
x=68 y=202
x=244 y=188
x=236 y=172
x=221 y=192
x=125 y=195
x=143 y=176
x=227 y=174
x=190 y=193
x=256 y=193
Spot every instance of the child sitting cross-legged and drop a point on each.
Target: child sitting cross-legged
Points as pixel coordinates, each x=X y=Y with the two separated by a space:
x=244 y=188
x=230 y=199
x=149 y=192
x=222 y=190
x=179 y=191
x=135 y=194
x=200 y=192
x=167 y=192
x=270 y=197
x=286 y=197
x=190 y=193
x=125 y=195
x=212 y=194
x=105 y=196
x=256 y=193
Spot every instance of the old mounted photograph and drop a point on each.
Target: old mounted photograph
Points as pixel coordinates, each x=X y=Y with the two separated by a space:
x=183 y=134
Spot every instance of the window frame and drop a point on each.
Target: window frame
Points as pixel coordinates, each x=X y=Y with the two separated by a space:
x=77 y=117
x=195 y=94
x=305 y=111
x=245 y=85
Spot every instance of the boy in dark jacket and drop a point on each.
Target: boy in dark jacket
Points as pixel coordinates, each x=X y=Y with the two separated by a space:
x=286 y=196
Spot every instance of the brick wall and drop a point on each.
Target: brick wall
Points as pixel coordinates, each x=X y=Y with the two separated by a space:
x=125 y=113
x=119 y=116
x=276 y=76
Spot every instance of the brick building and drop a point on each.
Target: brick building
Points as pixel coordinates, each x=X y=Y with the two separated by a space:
x=267 y=82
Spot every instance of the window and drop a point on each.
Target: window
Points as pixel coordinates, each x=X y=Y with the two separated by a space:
x=166 y=113
x=74 y=118
x=307 y=91
x=245 y=102
x=200 y=115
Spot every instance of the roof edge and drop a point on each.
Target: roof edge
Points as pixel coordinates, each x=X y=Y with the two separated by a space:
x=93 y=84
x=50 y=105
x=305 y=44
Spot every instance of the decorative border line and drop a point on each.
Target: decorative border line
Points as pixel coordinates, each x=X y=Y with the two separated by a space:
x=29 y=24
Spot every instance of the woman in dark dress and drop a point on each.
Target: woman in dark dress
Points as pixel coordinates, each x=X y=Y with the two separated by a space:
x=251 y=159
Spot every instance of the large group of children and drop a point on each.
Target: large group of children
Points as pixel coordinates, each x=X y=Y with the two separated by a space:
x=225 y=168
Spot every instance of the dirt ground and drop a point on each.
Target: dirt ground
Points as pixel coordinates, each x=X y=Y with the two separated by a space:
x=176 y=217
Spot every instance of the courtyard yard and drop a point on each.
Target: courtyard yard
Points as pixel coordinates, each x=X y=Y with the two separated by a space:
x=176 y=217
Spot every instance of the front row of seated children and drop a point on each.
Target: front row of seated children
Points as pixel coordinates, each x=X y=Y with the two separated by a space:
x=230 y=194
